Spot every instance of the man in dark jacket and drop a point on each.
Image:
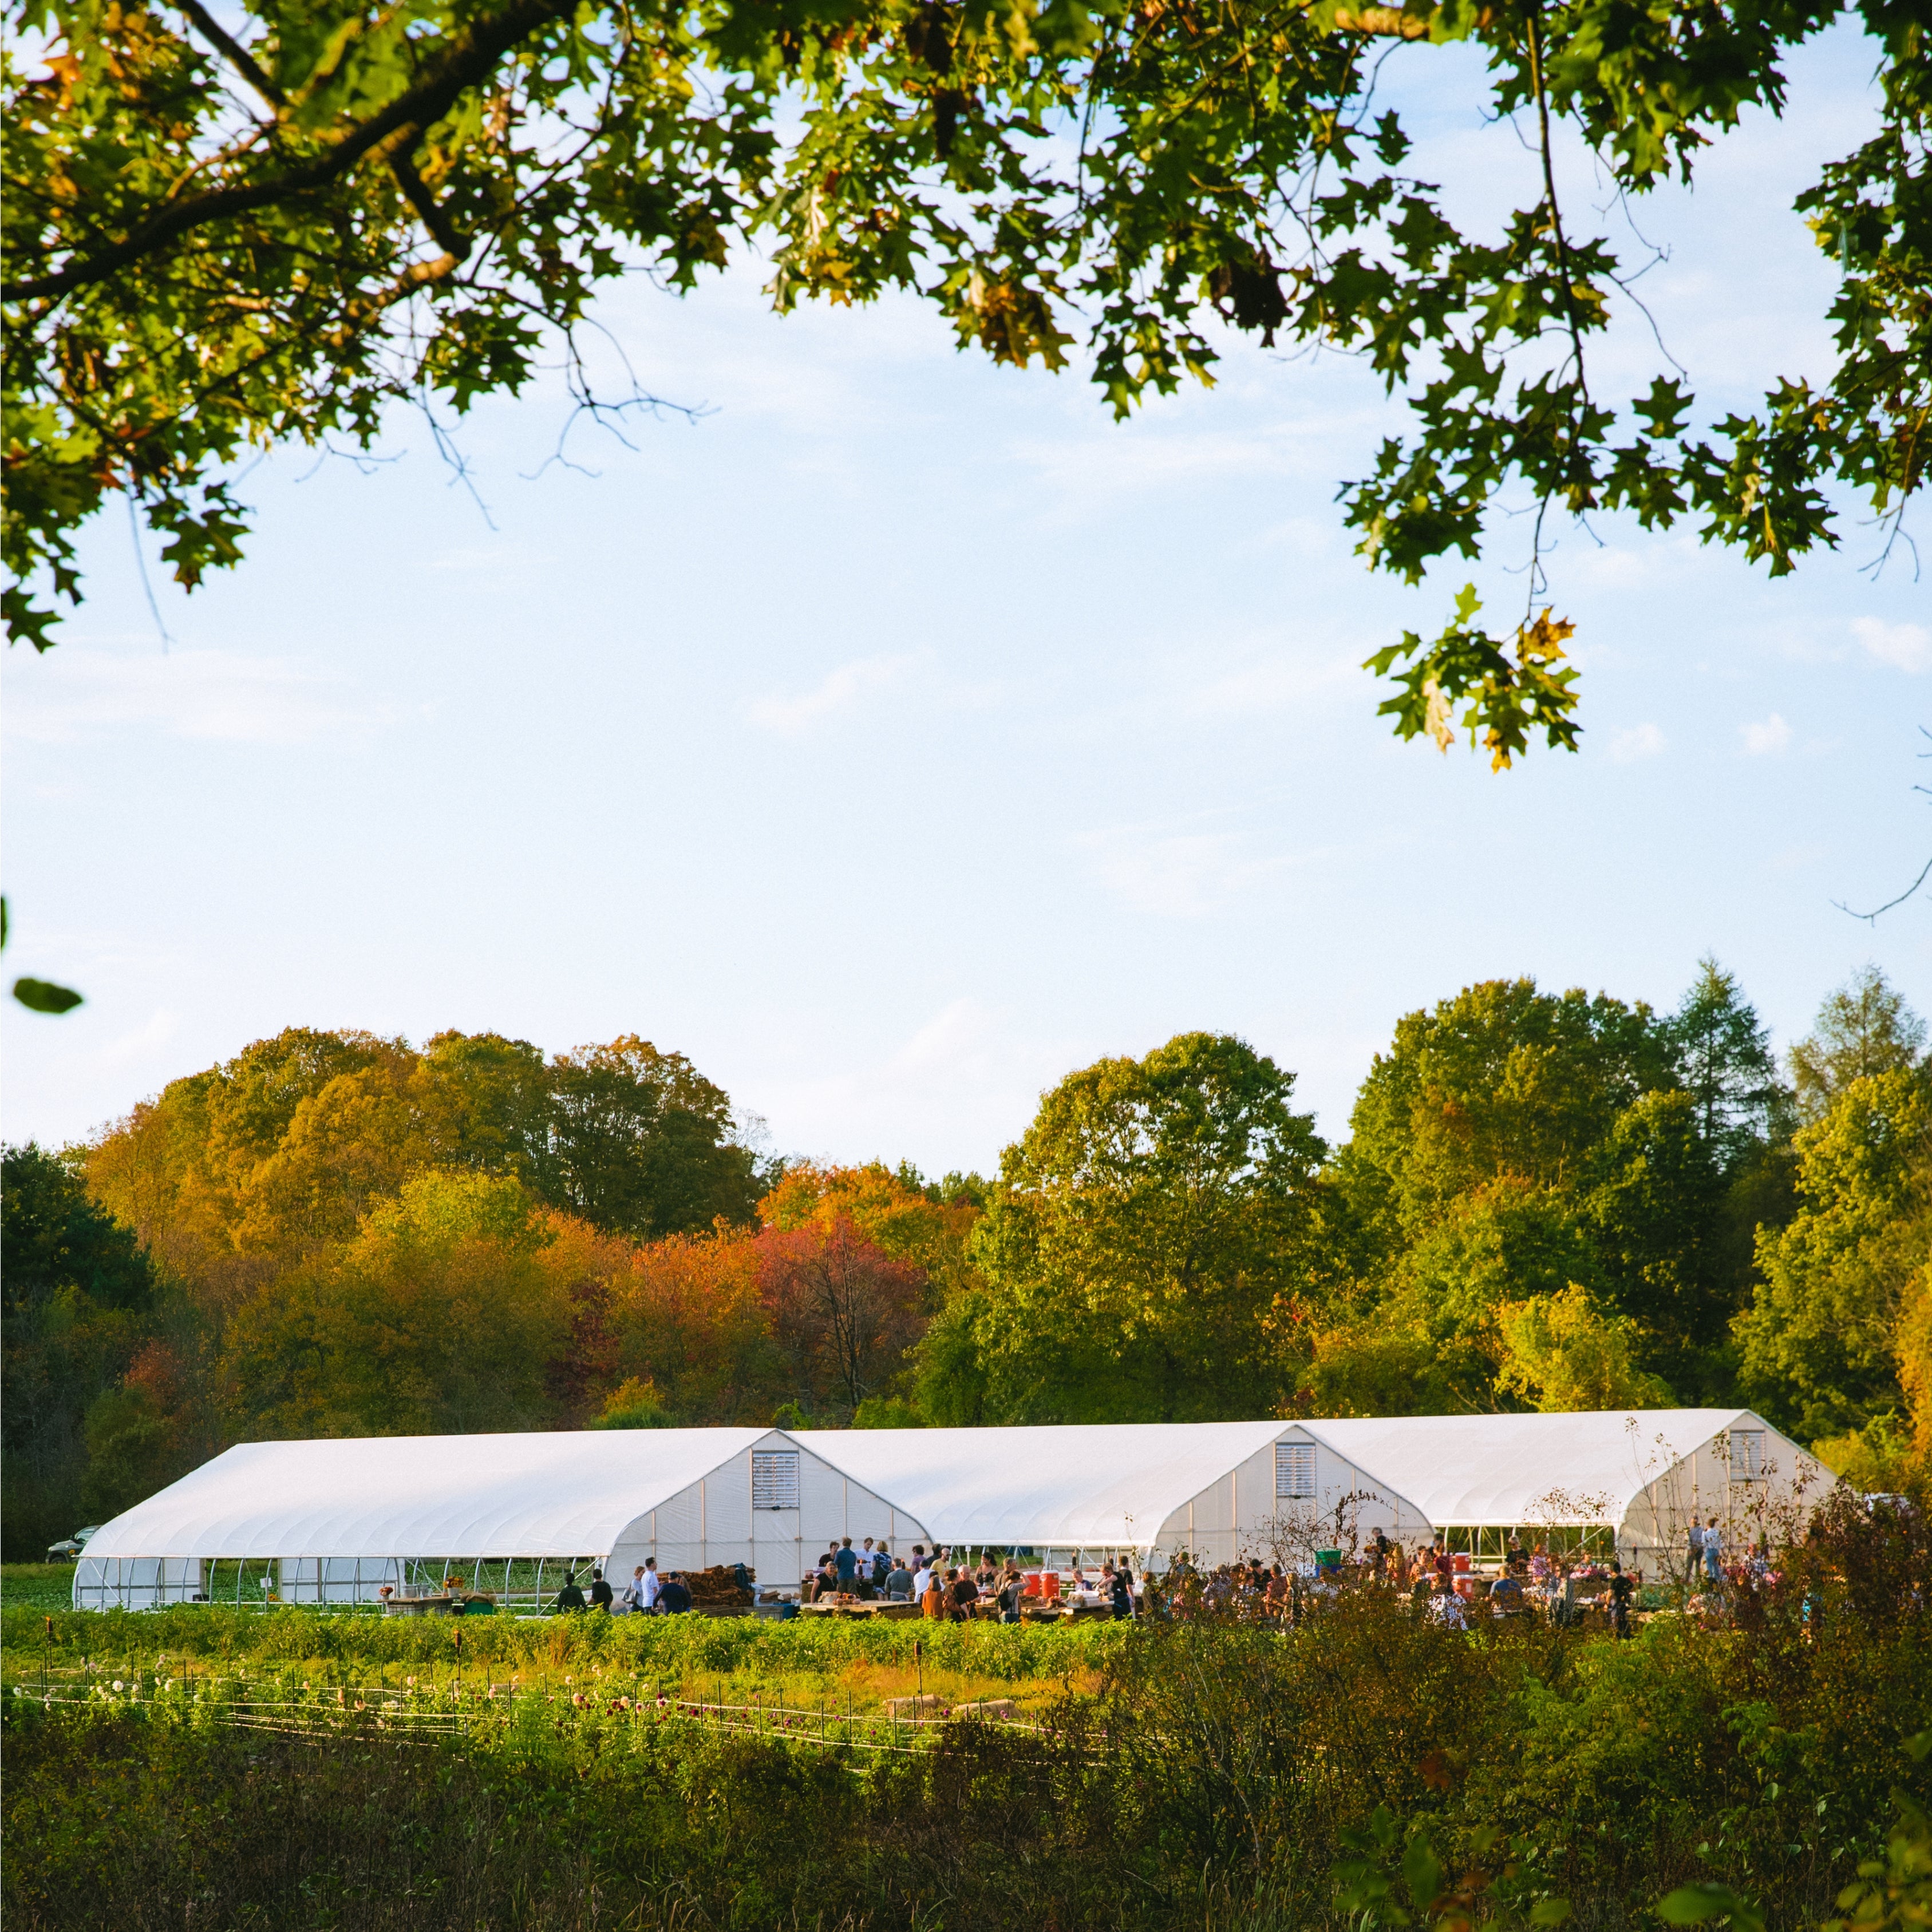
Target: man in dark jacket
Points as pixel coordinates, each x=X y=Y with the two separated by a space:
x=601 y=1597
x=570 y=1598
x=676 y=1595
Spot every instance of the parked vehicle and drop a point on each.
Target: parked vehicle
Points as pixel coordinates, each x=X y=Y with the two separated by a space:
x=69 y=1547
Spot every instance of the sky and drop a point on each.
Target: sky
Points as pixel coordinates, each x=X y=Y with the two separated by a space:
x=903 y=733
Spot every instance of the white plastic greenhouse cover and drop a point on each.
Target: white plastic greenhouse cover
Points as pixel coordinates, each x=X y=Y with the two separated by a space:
x=1511 y=1471
x=564 y=1495
x=1092 y=1486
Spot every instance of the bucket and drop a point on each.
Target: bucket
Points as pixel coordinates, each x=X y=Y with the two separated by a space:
x=1030 y=1586
x=1462 y=1561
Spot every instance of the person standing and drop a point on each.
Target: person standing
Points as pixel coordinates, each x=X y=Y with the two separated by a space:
x=570 y=1598
x=1694 y=1553
x=965 y=1593
x=1012 y=1594
x=932 y=1598
x=846 y=1561
x=600 y=1592
x=1713 y=1552
x=1121 y=1589
x=674 y=1595
x=1622 y=1588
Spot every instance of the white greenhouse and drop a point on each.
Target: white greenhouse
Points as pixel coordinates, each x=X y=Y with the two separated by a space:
x=1636 y=1476
x=1217 y=1490
x=1223 y=1489
x=334 y=1521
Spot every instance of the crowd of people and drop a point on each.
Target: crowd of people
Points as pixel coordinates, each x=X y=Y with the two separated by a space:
x=956 y=1592
x=1534 y=1578
x=1529 y=1579
x=647 y=1594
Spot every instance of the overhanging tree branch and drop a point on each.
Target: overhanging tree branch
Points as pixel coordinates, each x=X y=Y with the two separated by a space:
x=394 y=131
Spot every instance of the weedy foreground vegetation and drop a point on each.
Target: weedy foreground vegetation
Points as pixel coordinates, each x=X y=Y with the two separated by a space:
x=1200 y=1773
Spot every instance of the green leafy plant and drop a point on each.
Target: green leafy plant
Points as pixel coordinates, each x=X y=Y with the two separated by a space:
x=1396 y=1863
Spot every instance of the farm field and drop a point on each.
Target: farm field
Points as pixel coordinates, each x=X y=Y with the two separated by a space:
x=36 y=1586
x=208 y=1766
x=798 y=1666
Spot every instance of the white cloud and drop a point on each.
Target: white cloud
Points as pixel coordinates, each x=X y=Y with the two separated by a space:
x=1640 y=741
x=1182 y=876
x=209 y=695
x=1905 y=647
x=1771 y=735
x=951 y=1092
x=1272 y=685
x=129 y=1049
x=840 y=690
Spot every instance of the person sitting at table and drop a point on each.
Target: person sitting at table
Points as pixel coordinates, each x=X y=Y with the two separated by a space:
x=1274 y=1593
x=675 y=1594
x=965 y=1593
x=825 y=1584
x=1446 y=1607
x=570 y=1598
x=1506 y=1595
x=1440 y=1561
x=899 y=1582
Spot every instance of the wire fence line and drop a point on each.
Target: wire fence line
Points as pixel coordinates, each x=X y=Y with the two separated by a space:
x=478 y=1713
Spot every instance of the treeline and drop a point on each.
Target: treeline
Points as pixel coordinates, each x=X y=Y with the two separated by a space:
x=1545 y=1201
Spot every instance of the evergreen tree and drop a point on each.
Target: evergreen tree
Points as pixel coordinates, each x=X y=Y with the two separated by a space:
x=1725 y=1062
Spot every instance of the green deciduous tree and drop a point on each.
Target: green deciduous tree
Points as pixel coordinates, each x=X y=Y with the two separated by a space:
x=220 y=234
x=1821 y=1342
x=438 y=1318
x=1864 y=1028
x=641 y=1142
x=1145 y=1230
x=1501 y=1080
x=77 y=1288
x=1563 y=1353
